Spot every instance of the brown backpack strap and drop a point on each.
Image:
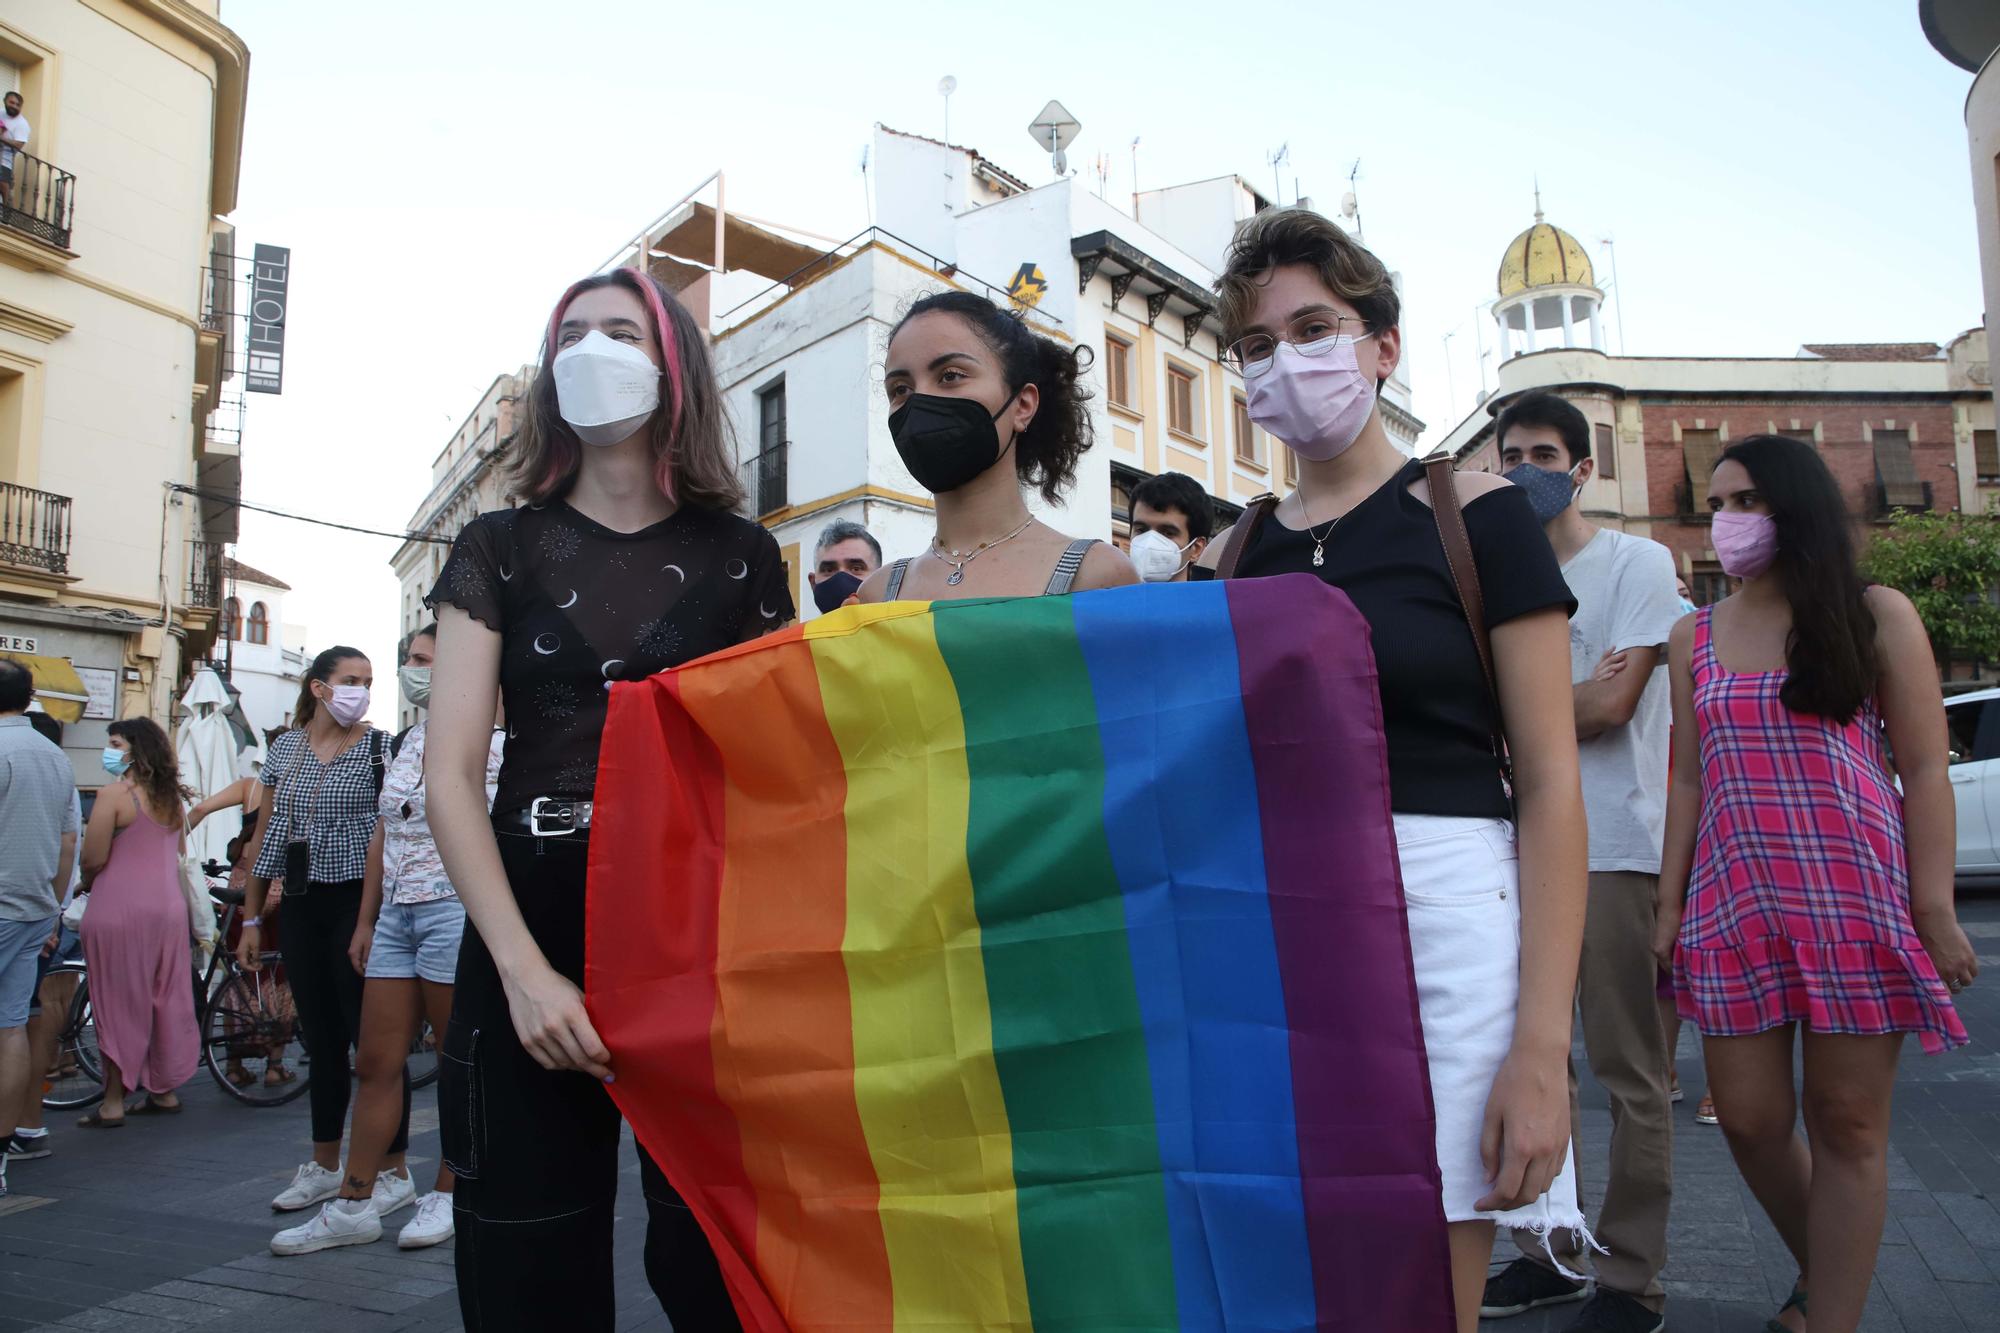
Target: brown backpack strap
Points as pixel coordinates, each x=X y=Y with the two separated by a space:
x=1465 y=578
x=1254 y=515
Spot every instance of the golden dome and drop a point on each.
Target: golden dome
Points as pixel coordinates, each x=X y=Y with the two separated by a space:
x=1544 y=256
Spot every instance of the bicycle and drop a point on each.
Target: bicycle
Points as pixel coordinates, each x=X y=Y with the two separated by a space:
x=242 y=1015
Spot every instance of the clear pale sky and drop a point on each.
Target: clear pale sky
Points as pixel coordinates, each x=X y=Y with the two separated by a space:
x=1774 y=173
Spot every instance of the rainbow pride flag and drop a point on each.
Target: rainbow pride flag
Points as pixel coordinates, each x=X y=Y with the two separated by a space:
x=1027 y=964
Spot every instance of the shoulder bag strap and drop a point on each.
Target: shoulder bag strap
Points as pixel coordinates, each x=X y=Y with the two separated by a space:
x=894 y=587
x=1465 y=578
x=1254 y=515
x=377 y=760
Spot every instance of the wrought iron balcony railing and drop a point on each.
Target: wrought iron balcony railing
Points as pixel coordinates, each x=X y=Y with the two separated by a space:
x=41 y=200
x=34 y=529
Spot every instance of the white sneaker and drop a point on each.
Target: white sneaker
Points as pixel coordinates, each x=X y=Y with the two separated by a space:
x=313 y=1184
x=431 y=1225
x=342 y=1222
x=392 y=1192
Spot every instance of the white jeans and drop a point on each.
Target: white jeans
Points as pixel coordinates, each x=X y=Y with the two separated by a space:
x=1461 y=887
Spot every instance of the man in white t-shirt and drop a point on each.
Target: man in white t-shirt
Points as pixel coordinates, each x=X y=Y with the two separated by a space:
x=13 y=134
x=1627 y=604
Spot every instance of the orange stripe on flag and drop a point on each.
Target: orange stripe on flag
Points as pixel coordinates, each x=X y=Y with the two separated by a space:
x=783 y=1035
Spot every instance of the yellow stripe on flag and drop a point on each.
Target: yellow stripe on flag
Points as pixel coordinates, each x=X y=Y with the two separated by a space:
x=925 y=1078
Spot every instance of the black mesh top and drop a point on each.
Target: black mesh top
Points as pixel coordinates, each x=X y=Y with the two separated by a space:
x=1385 y=554
x=579 y=605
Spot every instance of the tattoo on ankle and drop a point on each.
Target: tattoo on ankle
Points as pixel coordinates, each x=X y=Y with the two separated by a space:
x=355 y=1182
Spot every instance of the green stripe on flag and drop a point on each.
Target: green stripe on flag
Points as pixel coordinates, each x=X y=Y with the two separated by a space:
x=1067 y=1035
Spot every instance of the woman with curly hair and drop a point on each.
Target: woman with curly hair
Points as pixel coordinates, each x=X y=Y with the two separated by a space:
x=136 y=933
x=970 y=385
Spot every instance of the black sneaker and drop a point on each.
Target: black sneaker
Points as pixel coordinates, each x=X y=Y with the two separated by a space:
x=1615 y=1312
x=1525 y=1285
x=20 y=1149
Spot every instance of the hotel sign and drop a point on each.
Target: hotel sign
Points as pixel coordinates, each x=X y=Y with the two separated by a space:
x=270 y=288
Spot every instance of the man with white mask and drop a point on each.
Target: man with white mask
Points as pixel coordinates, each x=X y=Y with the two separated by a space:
x=1172 y=520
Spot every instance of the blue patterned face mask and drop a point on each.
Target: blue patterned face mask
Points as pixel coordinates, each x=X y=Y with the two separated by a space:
x=1549 y=493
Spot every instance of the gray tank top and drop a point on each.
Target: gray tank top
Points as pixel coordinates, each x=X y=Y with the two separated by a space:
x=1061 y=579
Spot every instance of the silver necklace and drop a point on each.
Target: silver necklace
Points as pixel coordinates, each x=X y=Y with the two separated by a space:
x=958 y=560
x=1318 y=538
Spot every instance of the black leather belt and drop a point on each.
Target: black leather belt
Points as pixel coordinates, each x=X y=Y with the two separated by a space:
x=547 y=817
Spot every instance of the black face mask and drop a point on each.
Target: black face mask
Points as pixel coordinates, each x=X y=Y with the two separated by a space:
x=832 y=592
x=946 y=442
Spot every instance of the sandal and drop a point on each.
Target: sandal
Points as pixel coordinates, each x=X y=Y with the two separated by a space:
x=239 y=1077
x=277 y=1075
x=1796 y=1302
x=96 y=1120
x=1704 y=1112
x=147 y=1106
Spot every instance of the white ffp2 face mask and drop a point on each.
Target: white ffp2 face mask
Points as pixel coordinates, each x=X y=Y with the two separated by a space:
x=1156 y=557
x=605 y=389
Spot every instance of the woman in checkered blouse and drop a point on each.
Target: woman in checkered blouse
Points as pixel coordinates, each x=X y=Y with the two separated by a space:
x=1817 y=898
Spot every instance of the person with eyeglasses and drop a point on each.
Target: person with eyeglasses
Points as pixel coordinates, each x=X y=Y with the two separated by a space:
x=1495 y=916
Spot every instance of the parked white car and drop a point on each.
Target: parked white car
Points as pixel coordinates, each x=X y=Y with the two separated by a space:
x=1973 y=722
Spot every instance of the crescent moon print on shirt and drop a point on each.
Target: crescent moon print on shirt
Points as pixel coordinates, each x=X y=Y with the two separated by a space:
x=580 y=607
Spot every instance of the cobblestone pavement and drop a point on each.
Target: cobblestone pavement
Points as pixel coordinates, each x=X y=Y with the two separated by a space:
x=164 y=1225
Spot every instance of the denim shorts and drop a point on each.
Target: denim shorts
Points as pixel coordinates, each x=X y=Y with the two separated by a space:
x=418 y=940
x=20 y=971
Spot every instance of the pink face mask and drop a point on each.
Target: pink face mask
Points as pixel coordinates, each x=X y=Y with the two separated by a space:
x=1746 y=544
x=1318 y=404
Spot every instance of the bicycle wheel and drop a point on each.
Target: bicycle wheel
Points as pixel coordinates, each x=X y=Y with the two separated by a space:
x=77 y=1076
x=423 y=1062
x=249 y=1033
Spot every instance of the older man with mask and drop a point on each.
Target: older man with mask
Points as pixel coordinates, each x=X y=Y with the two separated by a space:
x=843 y=558
x=1626 y=606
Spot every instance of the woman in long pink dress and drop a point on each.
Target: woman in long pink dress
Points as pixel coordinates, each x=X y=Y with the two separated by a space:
x=136 y=931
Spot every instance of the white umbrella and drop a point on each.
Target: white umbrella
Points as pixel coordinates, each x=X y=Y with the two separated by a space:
x=207 y=750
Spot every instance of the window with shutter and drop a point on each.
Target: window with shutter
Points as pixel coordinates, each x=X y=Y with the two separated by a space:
x=1245 y=430
x=1986 y=455
x=1118 y=371
x=1699 y=450
x=1181 y=401
x=1607 y=453
x=1897 y=471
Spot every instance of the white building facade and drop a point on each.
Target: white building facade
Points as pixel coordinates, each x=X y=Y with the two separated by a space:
x=264 y=657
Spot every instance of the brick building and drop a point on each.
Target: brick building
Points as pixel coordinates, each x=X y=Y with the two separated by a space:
x=1902 y=425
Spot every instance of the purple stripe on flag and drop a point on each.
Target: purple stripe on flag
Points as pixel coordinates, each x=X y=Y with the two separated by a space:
x=1367 y=1142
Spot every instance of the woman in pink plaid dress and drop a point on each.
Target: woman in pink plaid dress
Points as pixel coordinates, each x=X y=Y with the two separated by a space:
x=1816 y=898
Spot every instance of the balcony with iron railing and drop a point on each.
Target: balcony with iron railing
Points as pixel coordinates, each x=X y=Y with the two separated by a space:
x=34 y=529
x=205 y=580
x=41 y=201
x=765 y=478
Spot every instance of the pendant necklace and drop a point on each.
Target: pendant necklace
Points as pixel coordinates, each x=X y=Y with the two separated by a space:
x=1318 y=538
x=958 y=560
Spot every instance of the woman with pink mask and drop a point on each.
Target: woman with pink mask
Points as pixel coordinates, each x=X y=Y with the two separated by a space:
x=1807 y=895
x=1493 y=875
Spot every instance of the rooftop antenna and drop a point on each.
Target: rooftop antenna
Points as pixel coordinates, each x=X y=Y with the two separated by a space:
x=1135 y=175
x=1538 y=198
x=1278 y=159
x=1617 y=291
x=946 y=87
x=1350 y=203
x=1055 y=128
x=867 y=195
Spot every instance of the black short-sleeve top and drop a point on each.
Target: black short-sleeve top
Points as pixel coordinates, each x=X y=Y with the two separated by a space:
x=1385 y=554
x=579 y=606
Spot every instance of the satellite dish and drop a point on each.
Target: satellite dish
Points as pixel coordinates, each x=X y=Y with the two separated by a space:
x=1055 y=129
x=1349 y=205
x=948 y=85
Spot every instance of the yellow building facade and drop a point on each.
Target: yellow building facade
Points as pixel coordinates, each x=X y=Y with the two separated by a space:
x=114 y=325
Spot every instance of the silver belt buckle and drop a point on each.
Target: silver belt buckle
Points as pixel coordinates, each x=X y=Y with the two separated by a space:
x=535 y=817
